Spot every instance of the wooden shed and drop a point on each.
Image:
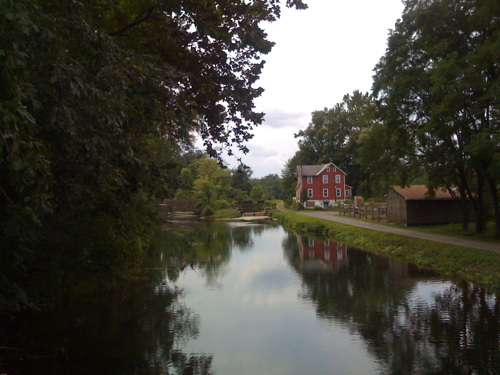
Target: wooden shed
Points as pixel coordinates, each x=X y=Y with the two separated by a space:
x=413 y=205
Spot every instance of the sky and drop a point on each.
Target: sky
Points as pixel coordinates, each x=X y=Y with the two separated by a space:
x=321 y=54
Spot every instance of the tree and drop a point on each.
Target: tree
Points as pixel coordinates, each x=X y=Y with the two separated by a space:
x=271 y=186
x=256 y=193
x=333 y=136
x=99 y=101
x=240 y=178
x=438 y=87
x=288 y=177
x=212 y=183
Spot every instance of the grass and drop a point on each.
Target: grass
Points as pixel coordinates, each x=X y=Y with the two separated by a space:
x=227 y=213
x=448 y=229
x=456 y=230
x=479 y=266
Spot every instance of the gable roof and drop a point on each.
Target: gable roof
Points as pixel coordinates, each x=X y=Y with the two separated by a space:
x=315 y=170
x=419 y=192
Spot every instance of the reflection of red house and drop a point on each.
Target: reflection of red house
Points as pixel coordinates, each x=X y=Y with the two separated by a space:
x=321 y=255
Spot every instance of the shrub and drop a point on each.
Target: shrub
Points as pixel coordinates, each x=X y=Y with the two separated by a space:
x=221 y=205
x=207 y=211
x=227 y=213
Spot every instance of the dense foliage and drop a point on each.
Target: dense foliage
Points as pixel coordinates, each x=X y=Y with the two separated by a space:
x=99 y=100
x=333 y=135
x=434 y=116
x=438 y=85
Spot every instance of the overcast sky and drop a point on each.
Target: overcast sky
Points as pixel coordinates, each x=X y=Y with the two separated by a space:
x=320 y=55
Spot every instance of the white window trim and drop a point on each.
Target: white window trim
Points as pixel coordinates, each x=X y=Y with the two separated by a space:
x=309 y=193
x=309 y=179
x=347 y=193
x=325 y=191
x=338 y=179
x=325 y=178
x=338 y=192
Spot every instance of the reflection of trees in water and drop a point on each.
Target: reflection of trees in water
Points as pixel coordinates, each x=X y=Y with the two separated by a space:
x=242 y=237
x=204 y=247
x=452 y=331
x=135 y=329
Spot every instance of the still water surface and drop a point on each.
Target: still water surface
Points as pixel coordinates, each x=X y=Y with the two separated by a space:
x=240 y=298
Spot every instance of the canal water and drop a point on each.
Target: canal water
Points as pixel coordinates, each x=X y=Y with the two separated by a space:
x=242 y=298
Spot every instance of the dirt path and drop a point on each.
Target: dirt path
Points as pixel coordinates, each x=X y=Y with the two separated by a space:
x=333 y=216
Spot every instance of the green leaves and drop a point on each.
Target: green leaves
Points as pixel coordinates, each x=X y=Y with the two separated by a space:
x=99 y=101
x=438 y=84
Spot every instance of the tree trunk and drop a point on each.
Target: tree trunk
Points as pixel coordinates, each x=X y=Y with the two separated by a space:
x=496 y=207
x=464 y=207
x=480 y=214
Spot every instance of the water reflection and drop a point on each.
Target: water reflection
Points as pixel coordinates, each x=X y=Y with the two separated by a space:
x=138 y=328
x=256 y=299
x=412 y=323
x=320 y=255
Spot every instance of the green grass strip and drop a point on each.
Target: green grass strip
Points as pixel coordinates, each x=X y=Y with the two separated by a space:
x=478 y=266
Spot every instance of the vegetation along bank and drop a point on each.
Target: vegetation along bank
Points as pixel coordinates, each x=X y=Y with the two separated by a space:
x=480 y=266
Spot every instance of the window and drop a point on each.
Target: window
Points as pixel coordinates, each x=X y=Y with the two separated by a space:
x=327 y=255
x=310 y=242
x=339 y=192
x=311 y=254
x=347 y=192
x=339 y=255
x=338 y=179
x=327 y=243
x=325 y=192
x=325 y=179
x=309 y=179
x=328 y=169
x=309 y=193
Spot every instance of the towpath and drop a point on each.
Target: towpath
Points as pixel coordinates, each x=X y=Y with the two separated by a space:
x=460 y=241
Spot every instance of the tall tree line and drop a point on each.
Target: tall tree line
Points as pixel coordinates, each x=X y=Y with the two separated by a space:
x=333 y=135
x=438 y=86
x=99 y=101
x=434 y=113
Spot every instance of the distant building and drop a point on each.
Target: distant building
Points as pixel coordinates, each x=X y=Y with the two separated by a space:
x=323 y=185
x=413 y=205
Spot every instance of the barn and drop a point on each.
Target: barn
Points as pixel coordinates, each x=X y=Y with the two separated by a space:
x=413 y=205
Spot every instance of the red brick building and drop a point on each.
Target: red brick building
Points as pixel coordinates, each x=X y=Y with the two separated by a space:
x=323 y=185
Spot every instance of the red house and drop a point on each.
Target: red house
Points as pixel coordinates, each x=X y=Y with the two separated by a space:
x=324 y=185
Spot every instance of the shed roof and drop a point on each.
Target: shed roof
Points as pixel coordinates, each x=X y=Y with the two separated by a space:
x=420 y=192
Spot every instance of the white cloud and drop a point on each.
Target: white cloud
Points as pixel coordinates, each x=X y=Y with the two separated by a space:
x=320 y=55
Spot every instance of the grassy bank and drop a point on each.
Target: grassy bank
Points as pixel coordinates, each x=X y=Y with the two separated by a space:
x=480 y=266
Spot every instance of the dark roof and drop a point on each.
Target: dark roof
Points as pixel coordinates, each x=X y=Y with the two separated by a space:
x=314 y=170
x=420 y=192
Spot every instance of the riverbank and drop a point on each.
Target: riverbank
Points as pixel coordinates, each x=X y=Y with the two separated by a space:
x=480 y=266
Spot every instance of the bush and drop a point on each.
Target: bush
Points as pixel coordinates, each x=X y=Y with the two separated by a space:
x=207 y=211
x=295 y=206
x=227 y=213
x=221 y=205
